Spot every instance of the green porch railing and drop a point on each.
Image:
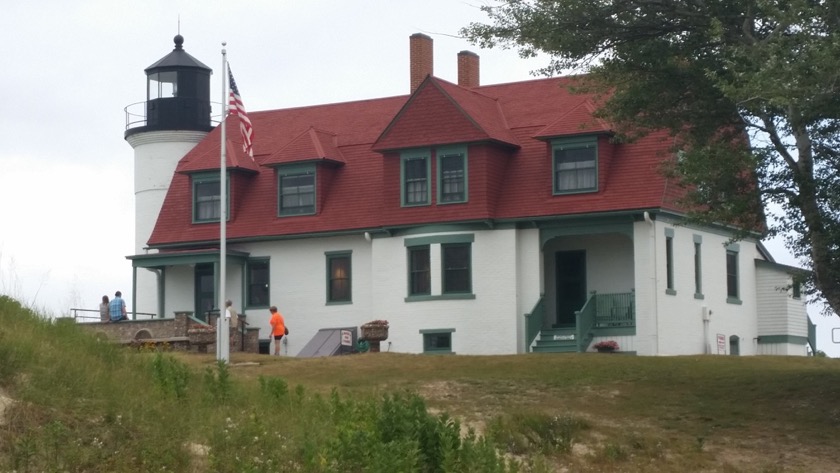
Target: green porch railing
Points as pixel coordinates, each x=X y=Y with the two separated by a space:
x=601 y=311
x=534 y=322
x=615 y=310
x=585 y=321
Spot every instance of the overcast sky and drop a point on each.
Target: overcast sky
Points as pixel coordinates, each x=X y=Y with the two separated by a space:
x=66 y=173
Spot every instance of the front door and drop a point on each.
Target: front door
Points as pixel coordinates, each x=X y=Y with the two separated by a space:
x=205 y=295
x=571 y=285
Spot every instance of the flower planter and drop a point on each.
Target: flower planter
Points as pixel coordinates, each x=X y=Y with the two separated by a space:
x=375 y=332
x=605 y=350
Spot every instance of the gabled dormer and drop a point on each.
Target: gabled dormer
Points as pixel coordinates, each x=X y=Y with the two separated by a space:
x=580 y=151
x=202 y=169
x=445 y=139
x=304 y=169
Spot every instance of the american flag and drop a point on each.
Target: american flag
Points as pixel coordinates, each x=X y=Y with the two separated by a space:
x=236 y=108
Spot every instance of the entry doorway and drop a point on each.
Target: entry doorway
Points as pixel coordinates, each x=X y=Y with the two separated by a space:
x=570 y=277
x=205 y=294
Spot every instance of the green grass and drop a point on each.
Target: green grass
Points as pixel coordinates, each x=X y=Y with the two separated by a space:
x=82 y=404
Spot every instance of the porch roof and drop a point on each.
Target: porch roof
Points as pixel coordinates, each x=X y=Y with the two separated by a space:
x=180 y=258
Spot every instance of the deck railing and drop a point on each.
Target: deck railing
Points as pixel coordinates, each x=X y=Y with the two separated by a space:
x=92 y=315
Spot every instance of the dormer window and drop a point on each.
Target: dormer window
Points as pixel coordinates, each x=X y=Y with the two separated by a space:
x=452 y=175
x=415 y=171
x=207 y=197
x=296 y=190
x=575 y=164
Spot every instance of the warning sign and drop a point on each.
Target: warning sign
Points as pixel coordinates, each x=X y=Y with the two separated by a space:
x=346 y=338
x=721 y=339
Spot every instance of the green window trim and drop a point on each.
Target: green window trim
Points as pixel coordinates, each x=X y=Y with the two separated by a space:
x=574 y=165
x=415 y=181
x=297 y=190
x=437 y=341
x=419 y=271
x=456 y=267
x=206 y=193
x=669 y=262
x=733 y=283
x=698 y=268
x=257 y=292
x=339 y=275
x=440 y=297
x=452 y=175
x=440 y=239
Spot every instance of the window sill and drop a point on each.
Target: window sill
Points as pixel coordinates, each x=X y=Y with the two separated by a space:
x=440 y=297
x=574 y=191
x=697 y=295
x=671 y=292
x=733 y=300
x=339 y=302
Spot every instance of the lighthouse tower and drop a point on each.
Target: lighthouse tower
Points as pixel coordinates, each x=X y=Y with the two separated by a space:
x=172 y=120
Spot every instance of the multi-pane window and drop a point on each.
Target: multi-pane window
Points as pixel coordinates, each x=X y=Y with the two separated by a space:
x=419 y=271
x=338 y=277
x=258 y=283
x=415 y=179
x=297 y=191
x=440 y=267
x=575 y=163
x=732 y=274
x=797 y=289
x=435 y=341
x=456 y=268
x=206 y=198
x=452 y=171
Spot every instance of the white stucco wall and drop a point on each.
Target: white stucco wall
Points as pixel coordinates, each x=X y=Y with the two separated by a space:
x=490 y=323
x=529 y=278
x=675 y=326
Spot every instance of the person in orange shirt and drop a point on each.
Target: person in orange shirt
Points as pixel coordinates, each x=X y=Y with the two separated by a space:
x=278 y=328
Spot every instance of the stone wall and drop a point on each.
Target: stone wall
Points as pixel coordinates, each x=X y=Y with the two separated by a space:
x=176 y=332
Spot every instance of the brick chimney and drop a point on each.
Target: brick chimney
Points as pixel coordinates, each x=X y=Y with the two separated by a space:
x=421 y=56
x=468 y=70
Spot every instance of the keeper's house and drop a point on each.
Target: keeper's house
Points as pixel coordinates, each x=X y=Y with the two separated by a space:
x=476 y=219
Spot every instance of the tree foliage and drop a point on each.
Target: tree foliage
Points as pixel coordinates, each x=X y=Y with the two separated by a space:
x=713 y=72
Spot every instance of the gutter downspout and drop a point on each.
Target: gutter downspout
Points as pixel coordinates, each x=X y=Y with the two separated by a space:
x=653 y=278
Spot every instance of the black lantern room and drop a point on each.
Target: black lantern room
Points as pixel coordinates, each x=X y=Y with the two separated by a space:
x=177 y=93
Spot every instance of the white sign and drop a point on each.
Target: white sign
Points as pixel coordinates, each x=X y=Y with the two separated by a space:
x=835 y=335
x=346 y=338
x=721 y=339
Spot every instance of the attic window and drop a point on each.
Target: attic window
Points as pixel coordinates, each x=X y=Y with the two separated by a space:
x=296 y=190
x=575 y=164
x=415 y=178
x=206 y=197
x=452 y=175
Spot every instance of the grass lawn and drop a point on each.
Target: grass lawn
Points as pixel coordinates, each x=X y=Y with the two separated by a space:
x=71 y=402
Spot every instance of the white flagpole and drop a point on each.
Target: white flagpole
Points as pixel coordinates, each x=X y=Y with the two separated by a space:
x=222 y=324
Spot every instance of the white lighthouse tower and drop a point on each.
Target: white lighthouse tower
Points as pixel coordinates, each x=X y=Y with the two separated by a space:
x=172 y=120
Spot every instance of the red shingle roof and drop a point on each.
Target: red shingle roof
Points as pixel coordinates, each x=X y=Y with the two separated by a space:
x=510 y=168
